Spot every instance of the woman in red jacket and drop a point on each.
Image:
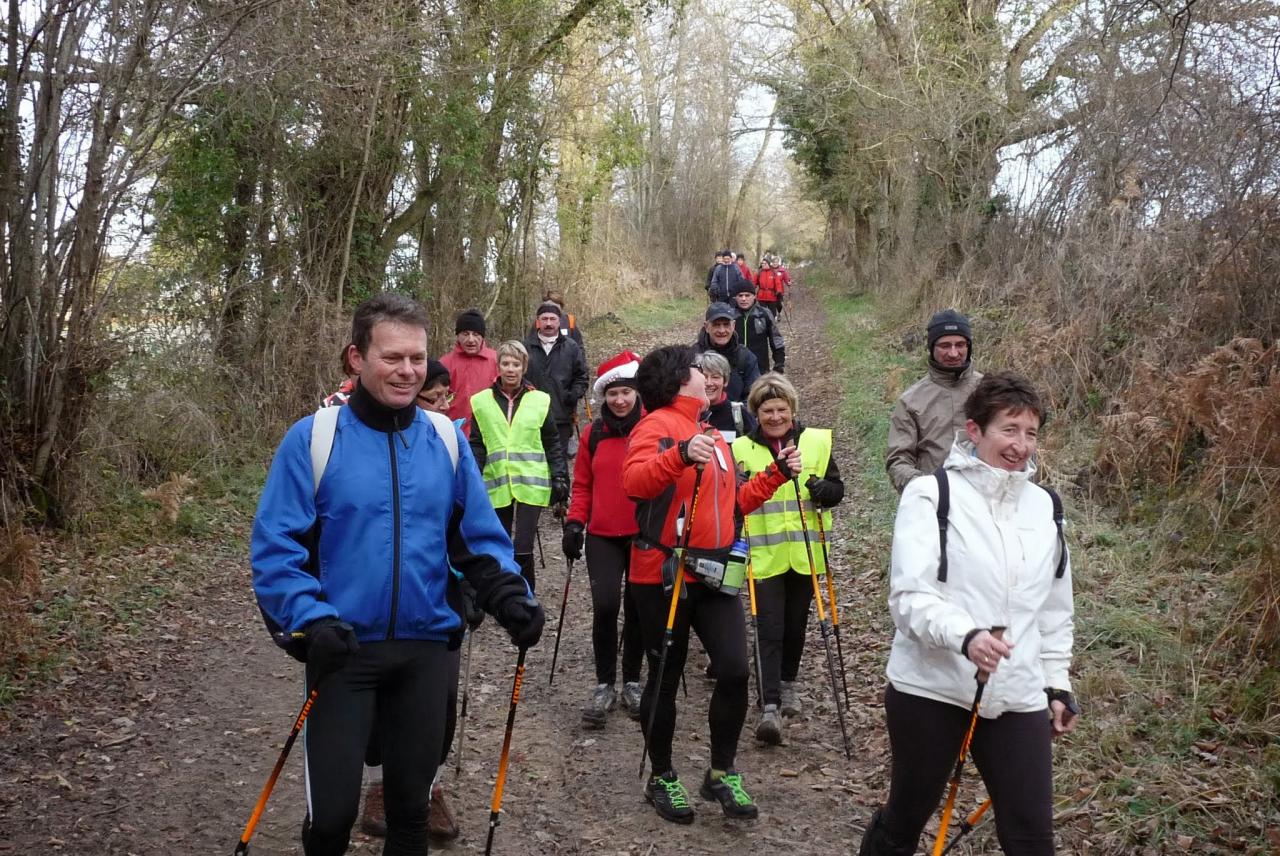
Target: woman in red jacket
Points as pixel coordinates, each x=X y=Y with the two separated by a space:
x=667 y=451
x=603 y=511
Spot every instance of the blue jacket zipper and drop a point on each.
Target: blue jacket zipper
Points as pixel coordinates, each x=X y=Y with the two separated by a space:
x=395 y=536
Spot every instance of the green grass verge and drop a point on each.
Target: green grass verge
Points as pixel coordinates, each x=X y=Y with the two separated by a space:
x=662 y=314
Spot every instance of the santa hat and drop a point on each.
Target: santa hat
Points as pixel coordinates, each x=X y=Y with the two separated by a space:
x=619 y=369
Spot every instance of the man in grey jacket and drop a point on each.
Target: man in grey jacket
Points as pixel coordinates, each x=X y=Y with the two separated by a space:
x=928 y=415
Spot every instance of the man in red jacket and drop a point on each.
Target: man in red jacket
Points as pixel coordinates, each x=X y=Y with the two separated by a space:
x=472 y=365
x=669 y=452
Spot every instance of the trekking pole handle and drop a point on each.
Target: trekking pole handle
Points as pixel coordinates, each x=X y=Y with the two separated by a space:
x=997 y=633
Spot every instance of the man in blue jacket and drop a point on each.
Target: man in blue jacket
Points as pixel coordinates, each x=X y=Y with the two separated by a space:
x=356 y=567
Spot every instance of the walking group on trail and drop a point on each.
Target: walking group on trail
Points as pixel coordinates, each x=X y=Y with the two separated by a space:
x=408 y=507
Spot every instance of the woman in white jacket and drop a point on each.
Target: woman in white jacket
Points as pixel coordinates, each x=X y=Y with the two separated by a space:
x=1005 y=566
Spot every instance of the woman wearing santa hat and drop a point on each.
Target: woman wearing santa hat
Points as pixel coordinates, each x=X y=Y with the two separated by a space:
x=602 y=516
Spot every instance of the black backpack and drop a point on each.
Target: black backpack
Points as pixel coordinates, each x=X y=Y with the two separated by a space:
x=944 y=509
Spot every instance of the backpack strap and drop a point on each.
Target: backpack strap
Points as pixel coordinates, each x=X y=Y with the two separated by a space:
x=944 y=508
x=1058 y=521
x=325 y=424
x=739 y=426
x=448 y=434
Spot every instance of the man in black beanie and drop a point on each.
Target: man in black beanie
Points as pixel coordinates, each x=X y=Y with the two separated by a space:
x=927 y=416
x=472 y=365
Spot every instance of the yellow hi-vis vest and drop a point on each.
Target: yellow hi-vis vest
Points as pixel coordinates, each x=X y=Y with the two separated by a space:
x=773 y=531
x=515 y=464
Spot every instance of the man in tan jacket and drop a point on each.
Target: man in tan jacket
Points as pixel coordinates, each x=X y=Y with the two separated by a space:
x=928 y=415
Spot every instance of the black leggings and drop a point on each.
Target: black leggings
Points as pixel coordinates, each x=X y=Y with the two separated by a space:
x=608 y=563
x=397 y=685
x=782 y=607
x=718 y=621
x=526 y=532
x=1012 y=753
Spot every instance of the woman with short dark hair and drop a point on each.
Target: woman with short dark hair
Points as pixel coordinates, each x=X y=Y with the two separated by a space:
x=686 y=535
x=997 y=600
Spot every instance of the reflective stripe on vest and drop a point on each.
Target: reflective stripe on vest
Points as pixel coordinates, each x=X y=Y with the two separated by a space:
x=776 y=537
x=515 y=464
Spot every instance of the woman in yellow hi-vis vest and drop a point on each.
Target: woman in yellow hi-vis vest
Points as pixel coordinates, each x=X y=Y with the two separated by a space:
x=517 y=447
x=779 y=560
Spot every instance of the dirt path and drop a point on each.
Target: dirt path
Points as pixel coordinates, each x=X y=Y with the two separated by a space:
x=164 y=752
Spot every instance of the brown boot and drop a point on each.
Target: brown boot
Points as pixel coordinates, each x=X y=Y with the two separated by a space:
x=374 y=819
x=440 y=822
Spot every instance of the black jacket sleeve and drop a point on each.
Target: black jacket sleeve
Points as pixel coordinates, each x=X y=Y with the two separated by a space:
x=578 y=377
x=478 y=450
x=554 y=451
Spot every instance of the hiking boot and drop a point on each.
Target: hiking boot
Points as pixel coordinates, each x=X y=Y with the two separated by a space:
x=728 y=791
x=440 y=822
x=876 y=840
x=373 y=820
x=631 y=699
x=667 y=794
x=770 y=728
x=790 y=699
x=603 y=699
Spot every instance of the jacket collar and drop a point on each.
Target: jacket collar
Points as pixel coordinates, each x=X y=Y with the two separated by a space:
x=687 y=405
x=949 y=377
x=377 y=415
x=757 y=435
x=993 y=483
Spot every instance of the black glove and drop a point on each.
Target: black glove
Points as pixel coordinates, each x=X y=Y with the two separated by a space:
x=1067 y=699
x=825 y=494
x=329 y=643
x=779 y=369
x=522 y=617
x=471 y=611
x=572 y=540
x=559 y=490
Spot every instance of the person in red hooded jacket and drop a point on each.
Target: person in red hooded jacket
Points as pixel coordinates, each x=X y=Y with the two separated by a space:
x=472 y=365
x=771 y=283
x=671 y=451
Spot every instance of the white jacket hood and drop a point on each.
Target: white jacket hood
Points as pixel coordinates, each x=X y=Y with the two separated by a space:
x=1002 y=553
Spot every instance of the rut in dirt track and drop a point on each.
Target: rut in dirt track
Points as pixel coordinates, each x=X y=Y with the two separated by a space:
x=165 y=753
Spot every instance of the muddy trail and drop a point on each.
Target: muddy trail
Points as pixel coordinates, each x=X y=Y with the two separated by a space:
x=164 y=751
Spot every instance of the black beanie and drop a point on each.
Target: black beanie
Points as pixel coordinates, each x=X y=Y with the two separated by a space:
x=744 y=284
x=948 y=322
x=547 y=307
x=436 y=371
x=470 y=320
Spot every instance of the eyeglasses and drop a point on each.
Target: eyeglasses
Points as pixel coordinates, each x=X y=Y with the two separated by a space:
x=437 y=399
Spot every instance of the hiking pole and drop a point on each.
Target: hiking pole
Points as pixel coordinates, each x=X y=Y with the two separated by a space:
x=823 y=624
x=537 y=534
x=242 y=847
x=981 y=677
x=499 y=784
x=967 y=825
x=671 y=615
x=564 y=604
x=462 y=716
x=755 y=625
x=831 y=595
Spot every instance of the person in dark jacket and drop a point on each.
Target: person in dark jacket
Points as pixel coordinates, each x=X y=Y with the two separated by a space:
x=517 y=447
x=604 y=517
x=722 y=278
x=718 y=335
x=730 y=418
x=758 y=330
x=374 y=623
x=558 y=367
x=568 y=322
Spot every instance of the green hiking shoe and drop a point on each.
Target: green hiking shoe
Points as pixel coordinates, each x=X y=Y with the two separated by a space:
x=667 y=794
x=728 y=791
